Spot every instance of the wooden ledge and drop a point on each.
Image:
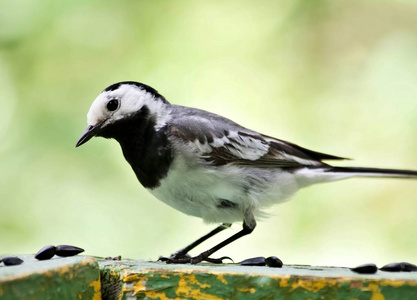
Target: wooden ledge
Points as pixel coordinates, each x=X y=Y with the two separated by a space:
x=154 y=280
x=58 y=278
x=83 y=277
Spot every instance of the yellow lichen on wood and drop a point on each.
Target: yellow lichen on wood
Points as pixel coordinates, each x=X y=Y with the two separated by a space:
x=96 y=285
x=376 y=293
x=156 y=295
x=246 y=290
x=131 y=277
x=397 y=283
x=221 y=278
x=313 y=285
x=140 y=285
x=187 y=288
x=283 y=282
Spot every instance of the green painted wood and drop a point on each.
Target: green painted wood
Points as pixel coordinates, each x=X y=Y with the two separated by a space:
x=79 y=278
x=129 y=279
x=58 y=278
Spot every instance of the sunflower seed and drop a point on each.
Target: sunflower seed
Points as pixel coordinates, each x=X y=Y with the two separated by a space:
x=66 y=250
x=365 y=269
x=273 y=262
x=399 y=267
x=11 y=261
x=255 y=261
x=46 y=252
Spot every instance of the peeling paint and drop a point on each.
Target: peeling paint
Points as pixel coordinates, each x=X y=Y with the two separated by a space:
x=356 y=284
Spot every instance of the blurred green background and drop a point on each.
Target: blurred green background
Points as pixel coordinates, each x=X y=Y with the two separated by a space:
x=334 y=76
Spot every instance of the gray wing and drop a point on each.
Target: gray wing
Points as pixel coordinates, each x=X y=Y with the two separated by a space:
x=220 y=141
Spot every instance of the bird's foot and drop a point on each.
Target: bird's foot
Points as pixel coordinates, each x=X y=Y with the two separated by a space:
x=180 y=258
x=179 y=255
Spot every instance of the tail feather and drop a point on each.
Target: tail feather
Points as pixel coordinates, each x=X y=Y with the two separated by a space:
x=309 y=176
x=374 y=172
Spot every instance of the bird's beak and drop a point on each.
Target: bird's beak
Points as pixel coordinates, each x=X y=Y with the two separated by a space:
x=88 y=134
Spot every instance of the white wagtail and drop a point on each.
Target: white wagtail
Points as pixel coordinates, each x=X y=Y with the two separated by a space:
x=206 y=165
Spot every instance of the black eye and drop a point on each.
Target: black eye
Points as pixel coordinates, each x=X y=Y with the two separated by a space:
x=113 y=104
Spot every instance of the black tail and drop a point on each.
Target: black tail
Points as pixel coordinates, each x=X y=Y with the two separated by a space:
x=374 y=172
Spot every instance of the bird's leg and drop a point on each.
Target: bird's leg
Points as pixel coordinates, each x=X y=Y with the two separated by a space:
x=204 y=256
x=182 y=253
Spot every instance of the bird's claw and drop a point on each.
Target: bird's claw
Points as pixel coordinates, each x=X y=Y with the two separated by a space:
x=218 y=260
x=174 y=256
x=187 y=259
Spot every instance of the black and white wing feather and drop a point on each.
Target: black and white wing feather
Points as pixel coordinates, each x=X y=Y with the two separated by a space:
x=220 y=141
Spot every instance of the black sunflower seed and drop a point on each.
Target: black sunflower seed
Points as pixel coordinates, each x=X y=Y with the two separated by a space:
x=66 y=250
x=365 y=269
x=273 y=262
x=407 y=267
x=399 y=267
x=254 y=261
x=46 y=252
x=11 y=261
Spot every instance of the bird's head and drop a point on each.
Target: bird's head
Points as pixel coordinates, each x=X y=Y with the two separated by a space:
x=119 y=103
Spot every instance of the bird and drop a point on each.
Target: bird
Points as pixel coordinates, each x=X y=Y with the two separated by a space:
x=206 y=165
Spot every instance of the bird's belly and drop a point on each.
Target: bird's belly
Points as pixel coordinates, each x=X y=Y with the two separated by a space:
x=201 y=192
x=219 y=194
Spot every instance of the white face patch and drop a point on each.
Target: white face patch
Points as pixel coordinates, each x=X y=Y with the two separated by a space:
x=131 y=99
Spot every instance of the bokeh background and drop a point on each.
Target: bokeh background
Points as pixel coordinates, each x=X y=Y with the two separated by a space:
x=338 y=77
